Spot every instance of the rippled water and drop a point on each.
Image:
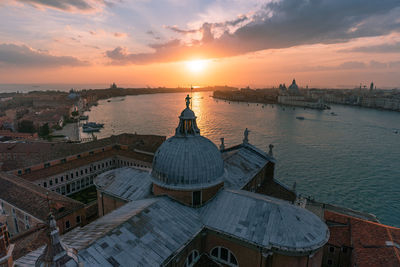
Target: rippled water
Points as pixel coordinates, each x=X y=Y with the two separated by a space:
x=352 y=159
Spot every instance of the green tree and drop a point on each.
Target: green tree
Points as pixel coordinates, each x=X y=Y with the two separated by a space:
x=44 y=130
x=26 y=126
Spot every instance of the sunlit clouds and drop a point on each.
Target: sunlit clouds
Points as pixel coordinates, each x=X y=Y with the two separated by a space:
x=168 y=43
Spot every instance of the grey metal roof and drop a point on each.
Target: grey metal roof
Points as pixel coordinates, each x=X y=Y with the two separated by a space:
x=146 y=239
x=191 y=162
x=82 y=237
x=265 y=221
x=126 y=183
x=147 y=232
x=242 y=164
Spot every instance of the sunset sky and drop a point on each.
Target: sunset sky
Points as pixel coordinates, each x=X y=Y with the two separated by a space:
x=321 y=43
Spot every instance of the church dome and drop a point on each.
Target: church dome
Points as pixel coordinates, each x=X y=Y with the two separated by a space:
x=187 y=161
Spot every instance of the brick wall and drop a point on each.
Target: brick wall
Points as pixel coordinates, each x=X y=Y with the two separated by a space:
x=185 y=197
x=107 y=203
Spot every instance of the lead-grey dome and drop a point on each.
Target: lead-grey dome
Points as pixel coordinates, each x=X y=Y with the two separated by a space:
x=187 y=160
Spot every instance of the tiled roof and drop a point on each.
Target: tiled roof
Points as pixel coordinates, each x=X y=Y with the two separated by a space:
x=76 y=163
x=32 y=198
x=373 y=244
x=31 y=153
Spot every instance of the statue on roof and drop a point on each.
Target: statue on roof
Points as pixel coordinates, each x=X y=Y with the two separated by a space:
x=188 y=101
x=246 y=136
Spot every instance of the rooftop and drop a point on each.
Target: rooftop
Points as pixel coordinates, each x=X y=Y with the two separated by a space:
x=32 y=153
x=125 y=183
x=373 y=244
x=32 y=198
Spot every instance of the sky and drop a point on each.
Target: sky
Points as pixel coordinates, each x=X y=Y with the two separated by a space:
x=321 y=43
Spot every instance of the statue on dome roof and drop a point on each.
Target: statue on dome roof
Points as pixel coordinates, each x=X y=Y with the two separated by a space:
x=188 y=101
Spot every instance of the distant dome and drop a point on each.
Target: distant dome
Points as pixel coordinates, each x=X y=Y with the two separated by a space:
x=293 y=86
x=187 y=160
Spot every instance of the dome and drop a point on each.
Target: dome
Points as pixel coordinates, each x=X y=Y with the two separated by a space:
x=187 y=160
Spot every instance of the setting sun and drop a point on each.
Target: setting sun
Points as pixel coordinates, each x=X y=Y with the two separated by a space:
x=196 y=65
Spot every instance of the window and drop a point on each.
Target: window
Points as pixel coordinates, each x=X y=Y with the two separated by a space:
x=81 y=172
x=28 y=170
x=19 y=172
x=330 y=262
x=78 y=219
x=73 y=187
x=196 y=198
x=58 y=190
x=191 y=258
x=344 y=249
x=72 y=176
x=224 y=255
x=44 y=184
x=68 y=188
x=46 y=165
x=51 y=182
x=27 y=226
x=62 y=178
x=67 y=225
x=63 y=160
x=331 y=249
x=78 y=156
x=56 y=181
x=91 y=153
x=86 y=170
x=77 y=174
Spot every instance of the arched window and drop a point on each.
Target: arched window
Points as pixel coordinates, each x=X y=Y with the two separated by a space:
x=224 y=255
x=192 y=258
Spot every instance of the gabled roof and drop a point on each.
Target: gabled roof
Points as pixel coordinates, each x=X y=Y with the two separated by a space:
x=242 y=163
x=125 y=183
x=32 y=198
x=149 y=232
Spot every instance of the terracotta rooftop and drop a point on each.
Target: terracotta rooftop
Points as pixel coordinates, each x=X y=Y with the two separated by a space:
x=32 y=198
x=31 y=153
x=70 y=165
x=373 y=244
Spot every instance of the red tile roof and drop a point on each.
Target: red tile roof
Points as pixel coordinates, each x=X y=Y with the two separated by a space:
x=32 y=198
x=368 y=239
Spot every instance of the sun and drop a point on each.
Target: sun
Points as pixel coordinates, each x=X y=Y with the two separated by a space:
x=196 y=66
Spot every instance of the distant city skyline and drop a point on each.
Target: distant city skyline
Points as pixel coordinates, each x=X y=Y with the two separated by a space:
x=177 y=43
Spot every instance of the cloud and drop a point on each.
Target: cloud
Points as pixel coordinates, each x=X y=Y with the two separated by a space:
x=382 y=48
x=279 y=24
x=69 y=5
x=352 y=65
x=12 y=55
x=120 y=34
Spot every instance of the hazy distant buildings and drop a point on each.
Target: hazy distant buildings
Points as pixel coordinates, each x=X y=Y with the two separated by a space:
x=294 y=97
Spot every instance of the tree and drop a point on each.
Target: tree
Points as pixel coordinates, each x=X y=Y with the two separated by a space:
x=26 y=126
x=44 y=130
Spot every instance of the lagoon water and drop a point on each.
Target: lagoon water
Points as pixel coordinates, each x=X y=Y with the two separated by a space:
x=352 y=159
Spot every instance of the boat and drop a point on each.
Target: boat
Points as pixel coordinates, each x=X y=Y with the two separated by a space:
x=300 y=118
x=93 y=125
x=108 y=100
x=90 y=130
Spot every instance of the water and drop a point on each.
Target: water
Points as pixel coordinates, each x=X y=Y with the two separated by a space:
x=352 y=159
